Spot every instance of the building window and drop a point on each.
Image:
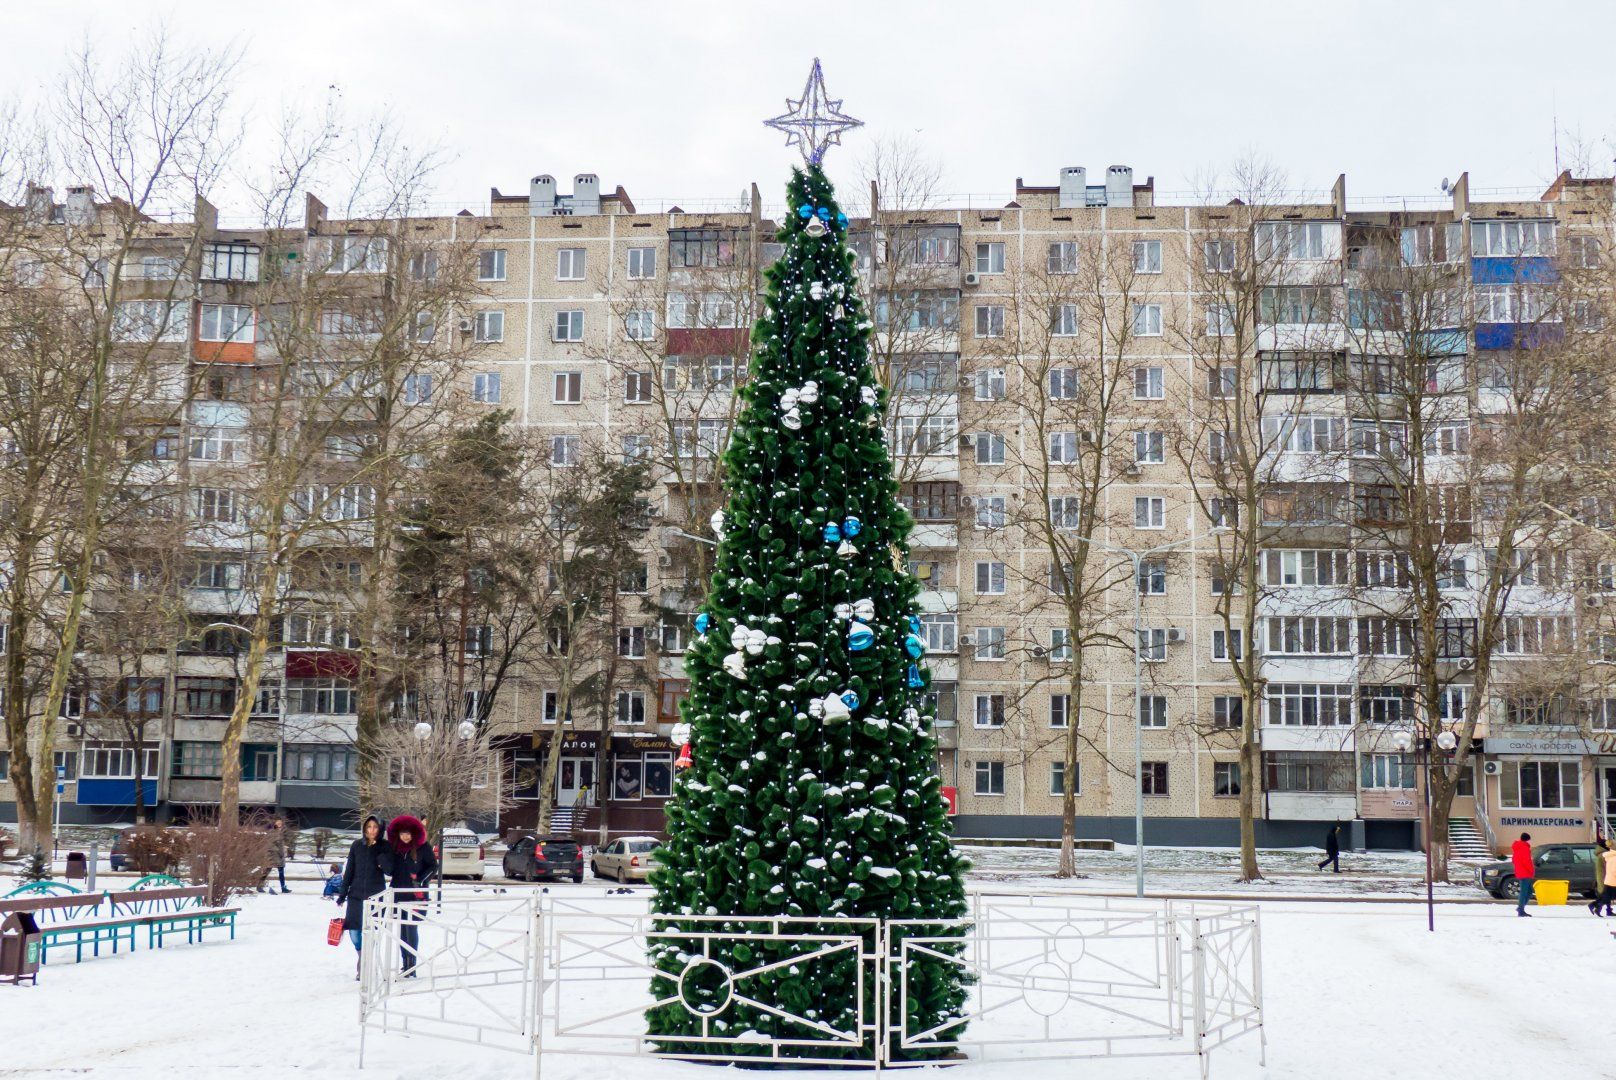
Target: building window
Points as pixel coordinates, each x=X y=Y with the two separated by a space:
x=1222 y=382
x=631 y=642
x=1508 y=239
x=1309 y=704
x=1228 y=712
x=1149 y=512
x=990 y=778
x=1310 y=771
x=1225 y=779
x=1060 y=710
x=569 y=326
x=1063 y=447
x=565 y=450
x=230 y=262
x=485 y=387
x=1063 y=384
x=417 y=389
x=1063 y=320
x=1153 y=778
x=1228 y=644
x=489 y=326
x=1149 y=448
x=1542 y=785
x=1152 y=645
x=319 y=764
x=1149 y=383
x=1308 y=635
x=939 y=630
x=1147 y=257
x=990 y=643
x=990 y=384
x=990 y=710
x=1306 y=568
x=321 y=697
x=630 y=707
x=990 y=320
x=989 y=448
x=1062 y=257
x=637 y=448
x=991 y=512
x=637 y=388
x=1152 y=577
x=1382 y=771
x=1065 y=511
x=1220 y=256
x=150 y=320
x=226 y=322
x=1060 y=644
x=569 y=387
x=1220 y=321
x=641 y=263
x=990 y=258
x=1299 y=241
x=1057 y=779
x=639 y=325
x=926 y=436
x=570 y=264
x=1147 y=320
x=491 y=265
x=1152 y=711
x=197 y=760
x=990 y=578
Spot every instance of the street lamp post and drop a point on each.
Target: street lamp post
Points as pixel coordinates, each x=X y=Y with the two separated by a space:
x=1445 y=741
x=1135 y=561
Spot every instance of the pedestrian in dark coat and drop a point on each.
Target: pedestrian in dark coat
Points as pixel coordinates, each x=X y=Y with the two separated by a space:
x=361 y=879
x=1332 y=848
x=409 y=865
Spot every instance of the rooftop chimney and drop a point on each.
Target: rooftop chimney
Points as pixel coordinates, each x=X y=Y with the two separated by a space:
x=80 y=206
x=1119 y=185
x=541 y=196
x=1073 y=187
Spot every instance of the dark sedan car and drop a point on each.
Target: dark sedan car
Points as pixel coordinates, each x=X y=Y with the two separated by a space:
x=544 y=858
x=1572 y=863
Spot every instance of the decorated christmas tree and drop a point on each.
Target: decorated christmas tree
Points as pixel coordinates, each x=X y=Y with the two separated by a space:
x=812 y=789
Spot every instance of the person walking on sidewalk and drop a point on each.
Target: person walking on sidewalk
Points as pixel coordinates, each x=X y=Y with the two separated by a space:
x=1520 y=855
x=1332 y=848
x=1604 y=879
x=409 y=864
x=361 y=879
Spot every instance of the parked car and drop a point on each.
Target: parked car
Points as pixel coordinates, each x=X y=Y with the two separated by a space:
x=546 y=858
x=628 y=858
x=460 y=854
x=1555 y=862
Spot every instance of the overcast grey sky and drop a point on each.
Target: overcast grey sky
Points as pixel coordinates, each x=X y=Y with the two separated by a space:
x=666 y=98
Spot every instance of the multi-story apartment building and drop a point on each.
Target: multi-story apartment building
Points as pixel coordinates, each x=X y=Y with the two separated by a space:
x=598 y=325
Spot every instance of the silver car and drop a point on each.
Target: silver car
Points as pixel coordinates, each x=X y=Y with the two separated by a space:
x=627 y=858
x=461 y=854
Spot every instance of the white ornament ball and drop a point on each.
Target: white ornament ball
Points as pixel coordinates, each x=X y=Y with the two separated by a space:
x=844 y=611
x=868 y=395
x=680 y=733
x=809 y=392
x=816 y=290
x=717 y=522
x=864 y=609
x=755 y=640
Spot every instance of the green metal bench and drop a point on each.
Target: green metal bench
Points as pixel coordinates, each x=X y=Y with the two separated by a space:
x=164 y=911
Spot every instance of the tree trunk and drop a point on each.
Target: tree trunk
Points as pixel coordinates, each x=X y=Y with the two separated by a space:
x=61 y=670
x=1067 y=866
x=235 y=728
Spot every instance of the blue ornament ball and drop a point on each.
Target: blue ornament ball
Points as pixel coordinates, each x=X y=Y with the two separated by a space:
x=823 y=212
x=805 y=211
x=916 y=647
x=914 y=624
x=860 y=637
x=850 y=698
x=841 y=219
x=851 y=527
x=916 y=682
x=702 y=622
x=833 y=532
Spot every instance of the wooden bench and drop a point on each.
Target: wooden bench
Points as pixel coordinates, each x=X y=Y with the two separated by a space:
x=79 y=920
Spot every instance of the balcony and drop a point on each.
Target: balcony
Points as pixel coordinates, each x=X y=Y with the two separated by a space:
x=1311 y=806
x=934 y=535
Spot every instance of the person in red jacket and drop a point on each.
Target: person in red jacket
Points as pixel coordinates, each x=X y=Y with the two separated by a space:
x=1520 y=854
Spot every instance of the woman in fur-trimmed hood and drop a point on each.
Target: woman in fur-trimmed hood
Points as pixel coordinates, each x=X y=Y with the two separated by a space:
x=409 y=864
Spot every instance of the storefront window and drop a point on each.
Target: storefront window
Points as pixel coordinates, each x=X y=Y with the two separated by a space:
x=1542 y=785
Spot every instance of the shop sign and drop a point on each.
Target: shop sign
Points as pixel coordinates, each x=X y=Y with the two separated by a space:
x=1543 y=822
x=1547 y=745
x=1388 y=803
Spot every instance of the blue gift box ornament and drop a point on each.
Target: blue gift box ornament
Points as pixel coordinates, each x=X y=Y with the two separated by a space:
x=916 y=647
x=850 y=698
x=916 y=682
x=833 y=532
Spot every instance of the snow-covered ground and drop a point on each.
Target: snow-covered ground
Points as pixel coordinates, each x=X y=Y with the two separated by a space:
x=1352 y=990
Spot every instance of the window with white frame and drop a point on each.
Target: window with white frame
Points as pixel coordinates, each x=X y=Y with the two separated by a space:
x=1228 y=711
x=219 y=444
x=989 y=710
x=1153 y=778
x=1541 y=785
x=1309 y=704
x=113 y=761
x=1228 y=644
x=569 y=387
x=1149 y=512
x=569 y=325
x=1304 y=434
x=989 y=448
x=565 y=450
x=637 y=387
x=1149 y=448
x=488 y=326
x=1535 y=635
x=631 y=707
x=417 y=389
x=1147 y=320
x=1062 y=258
x=355 y=254
x=639 y=325
x=491 y=264
x=485 y=387
x=939 y=630
x=1063 y=320
x=631 y=642
x=1222 y=382
x=990 y=643
x=1220 y=256
x=1152 y=577
x=990 y=257
x=1147 y=257
x=1295 y=241
x=1063 y=383
x=1152 y=711
x=989 y=778
x=990 y=320
x=1149 y=383
x=641 y=263
x=1508 y=239
x=570 y=264
x=217 y=505
x=991 y=512
x=637 y=448
x=1308 y=635
x=1286 y=568
x=1060 y=710
x=1062 y=447
x=990 y=384
x=1381 y=635
x=226 y=323
x=1060 y=644
x=927 y=436
x=1066 y=511
x=1057 y=779
x=1220 y=319
x=990 y=578
x=1152 y=644
x=151 y=320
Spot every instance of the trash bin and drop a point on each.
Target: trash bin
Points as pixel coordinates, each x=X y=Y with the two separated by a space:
x=1551 y=893
x=19 y=948
x=76 y=866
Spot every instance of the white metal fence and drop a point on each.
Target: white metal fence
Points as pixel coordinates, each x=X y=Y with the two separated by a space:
x=1048 y=976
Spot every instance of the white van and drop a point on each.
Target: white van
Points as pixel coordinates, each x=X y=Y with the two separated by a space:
x=461 y=854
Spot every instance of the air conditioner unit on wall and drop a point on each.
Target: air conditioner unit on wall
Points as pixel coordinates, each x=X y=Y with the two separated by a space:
x=1492 y=768
x=973 y=278
x=1175 y=635
x=75 y=730
x=465 y=326
x=1466 y=664
x=967 y=639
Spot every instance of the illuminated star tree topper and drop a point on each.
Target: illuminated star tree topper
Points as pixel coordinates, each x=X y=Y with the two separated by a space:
x=814 y=122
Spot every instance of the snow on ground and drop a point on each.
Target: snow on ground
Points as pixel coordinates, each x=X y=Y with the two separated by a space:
x=1352 y=990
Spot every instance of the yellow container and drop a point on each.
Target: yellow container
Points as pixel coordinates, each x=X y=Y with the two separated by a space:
x=1551 y=893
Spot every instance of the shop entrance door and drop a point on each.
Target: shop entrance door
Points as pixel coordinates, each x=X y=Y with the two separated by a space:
x=575 y=774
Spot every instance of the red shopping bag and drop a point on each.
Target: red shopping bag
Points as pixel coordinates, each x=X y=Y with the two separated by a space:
x=333 y=932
